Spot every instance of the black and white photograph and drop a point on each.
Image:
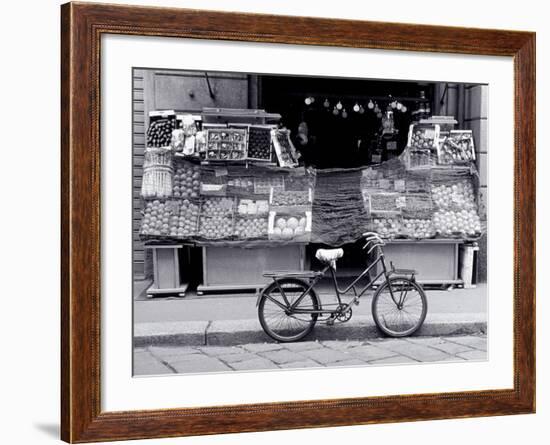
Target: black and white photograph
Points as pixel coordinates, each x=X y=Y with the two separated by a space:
x=295 y=222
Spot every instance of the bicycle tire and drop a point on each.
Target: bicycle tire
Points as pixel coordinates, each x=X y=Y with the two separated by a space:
x=279 y=325
x=391 y=324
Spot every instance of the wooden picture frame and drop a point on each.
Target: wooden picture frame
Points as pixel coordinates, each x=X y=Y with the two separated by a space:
x=82 y=26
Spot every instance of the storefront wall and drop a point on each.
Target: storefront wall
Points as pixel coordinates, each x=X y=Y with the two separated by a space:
x=183 y=92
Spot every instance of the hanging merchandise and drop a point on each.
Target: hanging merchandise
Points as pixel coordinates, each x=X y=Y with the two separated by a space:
x=326 y=103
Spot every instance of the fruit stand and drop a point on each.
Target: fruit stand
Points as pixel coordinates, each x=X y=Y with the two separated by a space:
x=230 y=183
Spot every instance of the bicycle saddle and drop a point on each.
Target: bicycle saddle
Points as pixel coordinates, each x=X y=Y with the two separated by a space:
x=329 y=256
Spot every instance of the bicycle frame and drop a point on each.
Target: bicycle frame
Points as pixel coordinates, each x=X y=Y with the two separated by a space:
x=339 y=292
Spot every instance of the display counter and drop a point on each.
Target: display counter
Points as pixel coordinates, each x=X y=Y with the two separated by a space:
x=234 y=268
x=241 y=196
x=435 y=260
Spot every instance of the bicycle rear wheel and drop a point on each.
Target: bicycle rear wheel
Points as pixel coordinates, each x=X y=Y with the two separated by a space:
x=277 y=320
x=403 y=314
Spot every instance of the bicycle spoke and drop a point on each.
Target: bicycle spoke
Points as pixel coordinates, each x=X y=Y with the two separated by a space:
x=280 y=320
x=402 y=313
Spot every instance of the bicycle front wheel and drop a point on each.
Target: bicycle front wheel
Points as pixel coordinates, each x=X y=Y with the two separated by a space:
x=399 y=307
x=278 y=320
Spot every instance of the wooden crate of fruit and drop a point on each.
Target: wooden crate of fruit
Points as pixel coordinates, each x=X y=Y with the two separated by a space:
x=457 y=148
x=291 y=200
x=387 y=227
x=284 y=148
x=289 y=227
x=259 y=145
x=216 y=218
x=418 y=228
x=263 y=185
x=186 y=181
x=251 y=227
x=161 y=125
x=226 y=144
x=166 y=219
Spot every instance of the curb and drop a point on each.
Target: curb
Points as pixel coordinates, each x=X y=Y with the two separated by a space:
x=237 y=332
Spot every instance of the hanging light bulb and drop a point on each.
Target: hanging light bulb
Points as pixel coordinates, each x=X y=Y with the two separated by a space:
x=335 y=111
x=399 y=105
x=308 y=100
x=356 y=107
x=379 y=115
x=361 y=109
x=312 y=99
x=393 y=104
x=404 y=109
x=370 y=105
x=339 y=105
x=344 y=113
x=326 y=103
x=376 y=108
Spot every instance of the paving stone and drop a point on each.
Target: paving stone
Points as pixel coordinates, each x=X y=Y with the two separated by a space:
x=396 y=359
x=171 y=351
x=342 y=344
x=473 y=341
x=283 y=356
x=415 y=351
x=370 y=352
x=147 y=364
x=254 y=364
x=303 y=346
x=326 y=356
x=219 y=350
x=307 y=363
x=262 y=347
x=440 y=344
x=473 y=355
x=199 y=364
x=239 y=357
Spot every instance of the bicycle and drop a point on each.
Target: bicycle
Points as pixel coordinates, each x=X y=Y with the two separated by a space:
x=289 y=308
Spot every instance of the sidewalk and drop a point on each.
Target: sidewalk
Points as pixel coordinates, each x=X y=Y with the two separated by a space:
x=232 y=319
x=157 y=360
